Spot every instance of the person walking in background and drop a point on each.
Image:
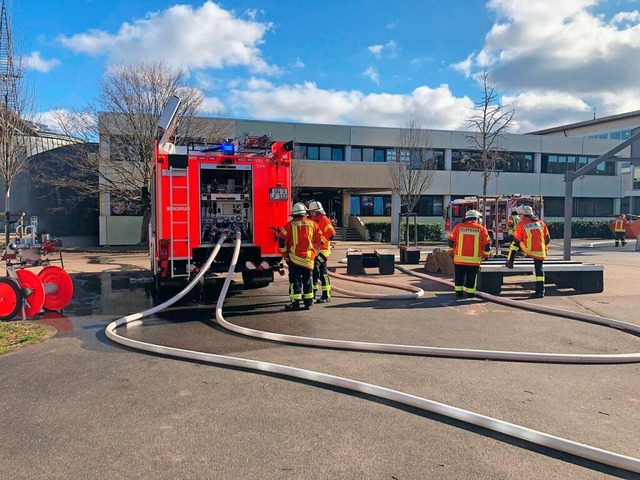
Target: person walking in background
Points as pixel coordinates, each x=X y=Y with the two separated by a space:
x=620 y=229
x=532 y=238
x=512 y=223
x=320 y=272
x=297 y=244
x=469 y=243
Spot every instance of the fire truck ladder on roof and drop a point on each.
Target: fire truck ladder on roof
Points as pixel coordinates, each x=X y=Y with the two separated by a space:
x=181 y=227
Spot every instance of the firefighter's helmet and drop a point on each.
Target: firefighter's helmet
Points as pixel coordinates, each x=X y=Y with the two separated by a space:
x=527 y=210
x=520 y=210
x=299 y=210
x=315 y=206
x=514 y=211
x=472 y=214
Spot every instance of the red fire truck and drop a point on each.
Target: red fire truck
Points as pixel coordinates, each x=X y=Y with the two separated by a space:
x=495 y=210
x=199 y=193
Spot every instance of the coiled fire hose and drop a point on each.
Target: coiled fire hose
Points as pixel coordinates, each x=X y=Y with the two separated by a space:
x=540 y=438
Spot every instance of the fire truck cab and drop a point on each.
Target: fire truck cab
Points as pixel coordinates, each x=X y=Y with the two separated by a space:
x=202 y=192
x=495 y=210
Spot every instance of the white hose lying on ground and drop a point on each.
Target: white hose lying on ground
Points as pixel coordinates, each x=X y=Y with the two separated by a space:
x=584 y=451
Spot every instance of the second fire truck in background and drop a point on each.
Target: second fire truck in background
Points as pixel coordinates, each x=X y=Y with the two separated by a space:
x=495 y=210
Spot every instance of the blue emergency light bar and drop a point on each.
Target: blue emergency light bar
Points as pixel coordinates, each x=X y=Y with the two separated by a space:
x=227 y=148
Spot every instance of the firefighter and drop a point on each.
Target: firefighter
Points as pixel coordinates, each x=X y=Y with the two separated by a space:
x=469 y=242
x=512 y=223
x=297 y=244
x=320 y=271
x=532 y=238
x=620 y=229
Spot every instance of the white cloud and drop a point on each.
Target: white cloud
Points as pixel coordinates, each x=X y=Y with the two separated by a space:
x=465 y=65
x=298 y=63
x=212 y=105
x=584 y=58
x=372 y=74
x=36 y=62
x=389 y=50
x=533 y=110
x=185 y=37
x=376 y=50
x=81 y=124
x=437 y=107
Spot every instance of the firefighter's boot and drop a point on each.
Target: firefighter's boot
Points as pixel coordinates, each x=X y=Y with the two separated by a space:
x=539 y=293
x=324 y=298
x=308 y=303
x=293 y=306
x=510 y=259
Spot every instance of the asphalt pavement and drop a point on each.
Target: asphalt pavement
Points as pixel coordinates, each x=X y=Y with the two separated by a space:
x=80 y=406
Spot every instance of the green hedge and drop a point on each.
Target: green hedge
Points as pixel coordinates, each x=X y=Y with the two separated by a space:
x=434 y=231
x=581 y=229
x=426 y=231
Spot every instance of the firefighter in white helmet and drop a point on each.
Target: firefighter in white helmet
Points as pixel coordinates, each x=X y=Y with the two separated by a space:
x=469 y=243
x=296 y=242
x=320 y=272
x=532 y=238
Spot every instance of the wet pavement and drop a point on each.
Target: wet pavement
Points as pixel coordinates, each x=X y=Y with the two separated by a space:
x=87 y=408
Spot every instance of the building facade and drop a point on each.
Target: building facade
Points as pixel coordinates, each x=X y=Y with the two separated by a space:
x=614 y=127
x=347 y=168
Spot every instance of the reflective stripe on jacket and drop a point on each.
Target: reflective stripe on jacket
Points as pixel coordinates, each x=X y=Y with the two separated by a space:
x=619 y=225
x=328 y=232
x=533 y=237
x=297 y=240
x=470 y=242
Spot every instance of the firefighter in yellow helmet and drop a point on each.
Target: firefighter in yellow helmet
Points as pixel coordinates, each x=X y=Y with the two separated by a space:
x=320 y=272
x=297 y=244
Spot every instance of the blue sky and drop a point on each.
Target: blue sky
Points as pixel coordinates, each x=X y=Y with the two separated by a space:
x=375 y=62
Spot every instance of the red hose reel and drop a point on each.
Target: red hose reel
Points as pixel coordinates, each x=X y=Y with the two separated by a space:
x=51 y=289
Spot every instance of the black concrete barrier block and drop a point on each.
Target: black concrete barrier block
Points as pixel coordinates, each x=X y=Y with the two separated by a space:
x=386 y=263
x=354 y=263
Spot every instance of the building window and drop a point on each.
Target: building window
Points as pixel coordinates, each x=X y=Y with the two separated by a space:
x=435 y=157
x=582 y=207
x=371 y=205
x=554 y=206
x=518 y=162
x=326 y=153
x=429 y=206
x=462 y=160
x=593 y=207
x=368 y=154
x=552 y=163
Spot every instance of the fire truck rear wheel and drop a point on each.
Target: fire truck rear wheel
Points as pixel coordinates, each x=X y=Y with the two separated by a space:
x=251 y=280
x=10 y=299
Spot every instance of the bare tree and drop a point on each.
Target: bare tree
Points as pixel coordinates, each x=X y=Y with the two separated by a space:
x=412 y=171
x=16 y=108
x=298 y=172
x=123 y=118
x=491 y=120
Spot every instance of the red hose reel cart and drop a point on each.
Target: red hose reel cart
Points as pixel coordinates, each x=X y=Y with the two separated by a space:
x=24 y=291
